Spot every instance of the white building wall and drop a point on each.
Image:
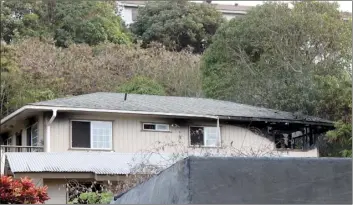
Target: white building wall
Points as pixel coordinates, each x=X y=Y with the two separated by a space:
x=129 y=137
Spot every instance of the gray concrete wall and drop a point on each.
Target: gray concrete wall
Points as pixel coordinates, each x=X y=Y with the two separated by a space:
x=264 y=180
x=248 y=181
x=169 y=187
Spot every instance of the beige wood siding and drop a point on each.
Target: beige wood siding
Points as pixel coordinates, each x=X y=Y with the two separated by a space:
x=56 y=191
x=59 y=134
x=129 y=137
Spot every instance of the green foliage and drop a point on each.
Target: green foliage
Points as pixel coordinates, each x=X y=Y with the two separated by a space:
x=67 y=22
x=272 y=56
x=88 y=22
x=93 y=198
x=142 y=85
x=21 y=19
x=336 y=101
x=177 y=24
x=343 y=136
x=9 y=71
x=17 y=87
x=42 y=71
x=297 y=60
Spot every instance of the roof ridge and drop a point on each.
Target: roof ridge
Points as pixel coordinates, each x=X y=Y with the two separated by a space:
x=203 y=98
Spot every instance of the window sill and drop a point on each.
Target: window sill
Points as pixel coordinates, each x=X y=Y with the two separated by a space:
x=91 y=149
x=206 y=147
x=156 y=131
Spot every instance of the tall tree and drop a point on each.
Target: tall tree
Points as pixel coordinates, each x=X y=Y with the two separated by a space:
x=177 y=24
x=67 y=22
x=90 y=22
x=295 y=59
x=22 y=18
x=273 y=55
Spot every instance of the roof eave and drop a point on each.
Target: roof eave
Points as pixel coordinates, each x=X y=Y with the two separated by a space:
x=58 y=108
x=298 y=121
x=62 y=108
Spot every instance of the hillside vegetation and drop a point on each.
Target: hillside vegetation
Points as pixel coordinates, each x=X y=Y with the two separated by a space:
x=296 y=60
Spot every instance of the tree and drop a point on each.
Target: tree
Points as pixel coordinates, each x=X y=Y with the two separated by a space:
x=177 y=24
x=296 y=60
x=21 y=191
x=142 y=85
x=90 y=22
x=22 y=18
x=273 y=55
x=337 y=102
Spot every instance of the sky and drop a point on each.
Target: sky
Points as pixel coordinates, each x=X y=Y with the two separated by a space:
x=344 y=5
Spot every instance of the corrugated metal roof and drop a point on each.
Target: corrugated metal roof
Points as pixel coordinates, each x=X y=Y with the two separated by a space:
x=94 y=162
x=172 y=104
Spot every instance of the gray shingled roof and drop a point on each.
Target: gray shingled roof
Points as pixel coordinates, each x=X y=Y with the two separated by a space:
x=224 y=7
x=173 y=104
x=93 y=162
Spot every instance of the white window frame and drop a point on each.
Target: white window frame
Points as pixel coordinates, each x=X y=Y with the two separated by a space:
x=33 y=127
x=91 y=135
x=156 y=125
x=218 y=136
x=8 y=141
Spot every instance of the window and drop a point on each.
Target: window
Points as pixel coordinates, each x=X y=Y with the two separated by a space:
x=155 y=127
x=297 y=140
x=134 y=14
x=204 y=136
x=33 y=135
x=91 y=134
x=8 y=141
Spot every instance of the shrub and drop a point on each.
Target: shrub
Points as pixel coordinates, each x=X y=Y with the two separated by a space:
x=93 y=198
x=142 y=85
x=46 y=72
x=21 y=191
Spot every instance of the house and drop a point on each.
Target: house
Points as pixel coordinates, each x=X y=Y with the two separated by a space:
x=128 y=10
x=93 y=136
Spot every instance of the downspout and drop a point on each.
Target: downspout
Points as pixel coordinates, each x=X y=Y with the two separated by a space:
x=47 y=136
x=219 y=132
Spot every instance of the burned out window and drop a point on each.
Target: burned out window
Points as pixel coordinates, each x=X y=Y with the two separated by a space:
x=283 y=141
x=204 y=136
x=91 y=134
x=295 y=140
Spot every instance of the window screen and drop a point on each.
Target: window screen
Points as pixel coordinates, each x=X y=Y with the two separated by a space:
x=211 y=136
x=101 y=134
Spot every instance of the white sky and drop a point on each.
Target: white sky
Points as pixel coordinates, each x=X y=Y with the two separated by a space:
x=344 y=5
